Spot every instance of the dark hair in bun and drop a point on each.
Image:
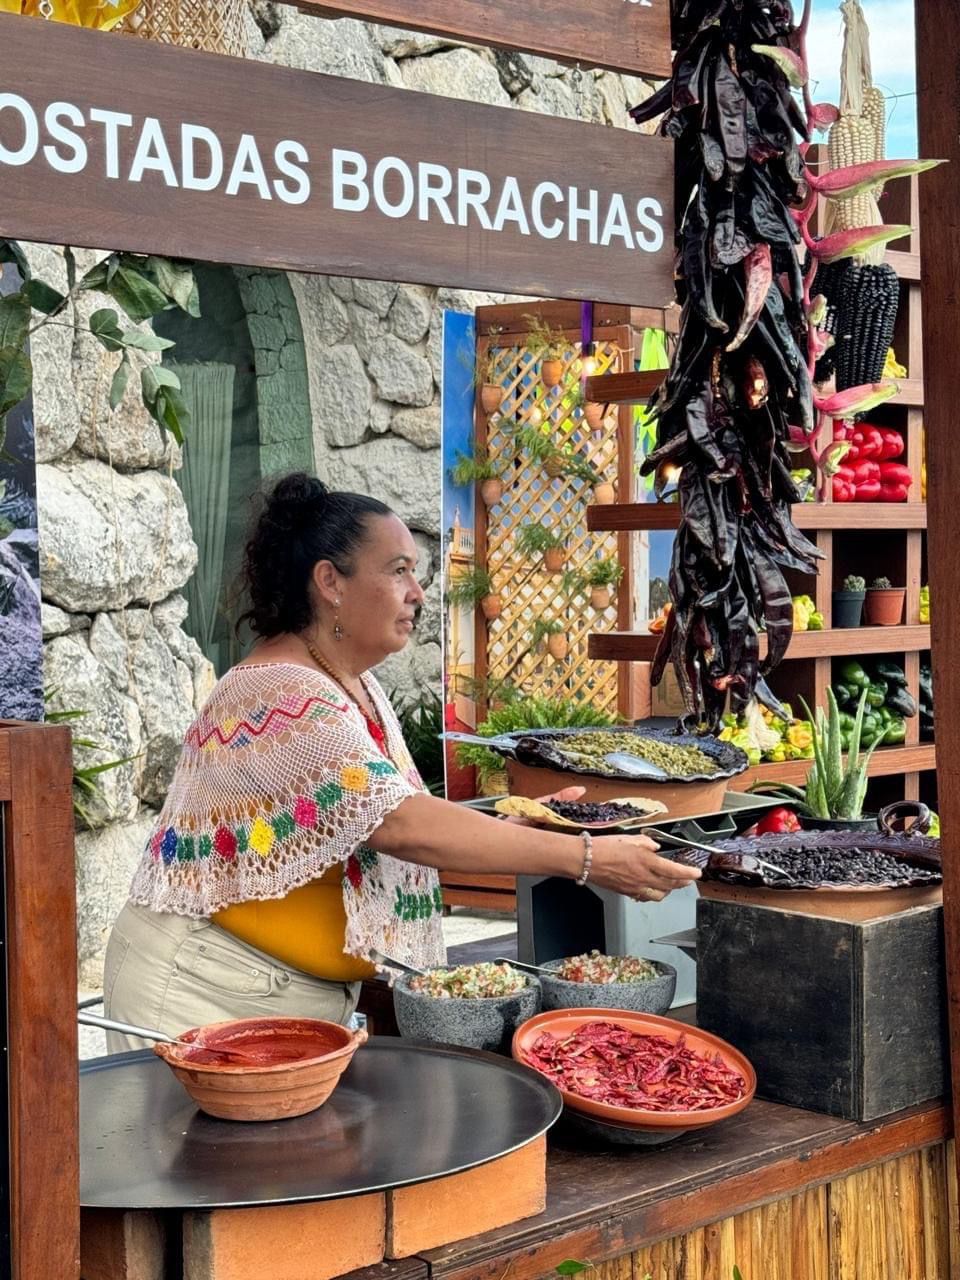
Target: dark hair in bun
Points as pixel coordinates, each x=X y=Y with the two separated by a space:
x=301 y=522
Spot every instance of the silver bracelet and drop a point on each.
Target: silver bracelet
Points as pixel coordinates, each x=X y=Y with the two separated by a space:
x=584 y=875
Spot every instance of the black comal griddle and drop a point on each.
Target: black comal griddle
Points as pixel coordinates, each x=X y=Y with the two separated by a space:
x=403 y=1113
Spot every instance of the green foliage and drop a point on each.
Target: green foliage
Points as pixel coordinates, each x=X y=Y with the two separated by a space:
x=140 y=286
x=571 y=1267
x=835 y=789
x=468 y=589
x=528 y=713
x=543 y=341
x=603 y=573
x=84 y=776
x=422 y=724
x=544 y=627
x=467 y=470
x=854 y=583
x=534 y=539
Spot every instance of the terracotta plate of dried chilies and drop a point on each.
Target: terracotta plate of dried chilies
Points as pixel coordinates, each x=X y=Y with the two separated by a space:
x=636 y=1069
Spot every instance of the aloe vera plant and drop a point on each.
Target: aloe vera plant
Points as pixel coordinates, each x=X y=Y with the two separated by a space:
x=834 y=789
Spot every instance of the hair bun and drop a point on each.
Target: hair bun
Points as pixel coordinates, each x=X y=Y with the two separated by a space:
x=297 y=498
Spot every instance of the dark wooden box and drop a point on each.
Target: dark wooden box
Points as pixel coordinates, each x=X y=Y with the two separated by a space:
x=847 y=1018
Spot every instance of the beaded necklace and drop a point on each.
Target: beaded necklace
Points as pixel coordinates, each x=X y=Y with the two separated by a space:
x=374 y=722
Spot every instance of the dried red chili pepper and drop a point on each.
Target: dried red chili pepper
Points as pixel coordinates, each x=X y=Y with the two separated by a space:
x=608 y=1063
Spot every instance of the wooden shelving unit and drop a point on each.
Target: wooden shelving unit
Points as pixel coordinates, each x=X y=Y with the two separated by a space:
x=871 y=539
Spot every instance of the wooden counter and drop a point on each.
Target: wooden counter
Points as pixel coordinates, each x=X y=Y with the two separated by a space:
x=784 y=1194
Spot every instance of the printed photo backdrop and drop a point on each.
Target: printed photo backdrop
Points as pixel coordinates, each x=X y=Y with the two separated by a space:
x=457 y=545
x=21 y=643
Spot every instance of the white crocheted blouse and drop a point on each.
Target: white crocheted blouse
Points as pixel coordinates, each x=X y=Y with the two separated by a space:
x=279 y=780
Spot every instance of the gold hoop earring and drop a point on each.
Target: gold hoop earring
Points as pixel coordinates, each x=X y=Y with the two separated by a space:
x=337 y=629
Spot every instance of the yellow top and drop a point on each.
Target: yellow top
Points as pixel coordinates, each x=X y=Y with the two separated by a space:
x=304 y=930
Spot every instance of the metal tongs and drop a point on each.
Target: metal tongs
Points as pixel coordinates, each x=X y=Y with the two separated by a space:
x=714 y=855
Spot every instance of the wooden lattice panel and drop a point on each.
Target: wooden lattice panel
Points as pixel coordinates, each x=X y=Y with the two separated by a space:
x=528 y=592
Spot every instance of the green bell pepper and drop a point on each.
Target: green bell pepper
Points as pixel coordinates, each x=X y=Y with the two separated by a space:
x=896 y=732
x=853 y=675
x=872 y=729
x=877 y=693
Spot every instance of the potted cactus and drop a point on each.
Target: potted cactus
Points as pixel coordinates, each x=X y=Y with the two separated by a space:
x=537 y=539
x=601 y=577
x=473 y=588
x=479 y=470
x=549 y=629
x=848 y=602
x=832 y=799
x=884 y=603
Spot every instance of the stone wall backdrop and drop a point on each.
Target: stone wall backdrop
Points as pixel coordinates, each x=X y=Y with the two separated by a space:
x=116 y=543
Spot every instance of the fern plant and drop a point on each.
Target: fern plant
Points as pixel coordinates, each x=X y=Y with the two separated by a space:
x=84 y=776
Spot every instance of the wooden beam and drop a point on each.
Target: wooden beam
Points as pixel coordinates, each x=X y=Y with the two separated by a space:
x=938 y=113
x=641 y=646
x=41 y=963
x=634 y=39
x=624 y=388
x=807 y=515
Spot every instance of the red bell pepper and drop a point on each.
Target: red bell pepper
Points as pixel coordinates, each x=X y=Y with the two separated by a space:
x=895 y=482
x=868 y=442
x=869 y=491
x=844 y=489
x=778 y=822
x=892 y=444
x=866 y=472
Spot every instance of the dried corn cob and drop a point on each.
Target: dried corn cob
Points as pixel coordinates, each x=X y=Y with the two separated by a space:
x=852 y=140
x=875 y=110
x=867 y=305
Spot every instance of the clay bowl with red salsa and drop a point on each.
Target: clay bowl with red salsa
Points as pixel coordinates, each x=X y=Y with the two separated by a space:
x=681 y=1077
x=289 y=1066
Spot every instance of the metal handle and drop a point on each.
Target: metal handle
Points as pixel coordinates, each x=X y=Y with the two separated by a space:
x=126 y=1028
x=893 y=819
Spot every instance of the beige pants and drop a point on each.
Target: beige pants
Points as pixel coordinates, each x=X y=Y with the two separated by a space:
x=170 y=973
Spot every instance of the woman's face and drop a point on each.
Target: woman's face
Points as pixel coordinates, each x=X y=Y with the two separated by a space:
x=380 y=598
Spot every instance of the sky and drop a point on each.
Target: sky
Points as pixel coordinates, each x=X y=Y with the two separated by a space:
x=892 y=58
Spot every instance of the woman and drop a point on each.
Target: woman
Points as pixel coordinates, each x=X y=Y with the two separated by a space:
x=296 y=837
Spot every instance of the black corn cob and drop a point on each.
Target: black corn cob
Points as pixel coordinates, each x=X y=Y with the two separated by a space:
x=868 y=315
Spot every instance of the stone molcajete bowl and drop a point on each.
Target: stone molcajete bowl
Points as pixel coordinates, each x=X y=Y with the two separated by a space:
x=654 y=995
x=290 y=1066
x=486 y=1022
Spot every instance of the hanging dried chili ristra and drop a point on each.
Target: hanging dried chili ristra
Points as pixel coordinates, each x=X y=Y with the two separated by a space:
x=739 y=375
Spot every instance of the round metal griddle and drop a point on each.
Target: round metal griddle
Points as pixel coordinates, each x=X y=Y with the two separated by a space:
x=403 y=1113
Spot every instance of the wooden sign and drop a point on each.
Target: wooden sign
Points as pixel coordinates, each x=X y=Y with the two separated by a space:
x=632 y=36
x=110 y=141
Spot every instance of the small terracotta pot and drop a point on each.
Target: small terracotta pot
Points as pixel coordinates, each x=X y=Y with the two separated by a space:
x=604 y=494
x=593 y=413
x=490 y=607
x=551 y=371
x=553 y=559
x=600 y=597
x=491 y=491
x=884 y=608
x=495 y=784
x=490 y=397
x=558 y=647
x=555 y=467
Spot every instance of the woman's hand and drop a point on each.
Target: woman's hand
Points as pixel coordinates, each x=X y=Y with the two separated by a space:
x=632 y=866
